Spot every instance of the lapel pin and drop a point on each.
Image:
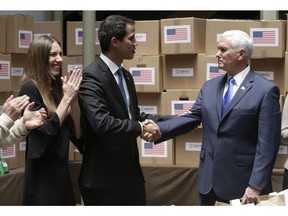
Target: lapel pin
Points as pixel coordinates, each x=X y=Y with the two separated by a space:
x=243 y=88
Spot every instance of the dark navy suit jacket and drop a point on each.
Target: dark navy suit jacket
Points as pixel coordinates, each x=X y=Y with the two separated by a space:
x=238 y=149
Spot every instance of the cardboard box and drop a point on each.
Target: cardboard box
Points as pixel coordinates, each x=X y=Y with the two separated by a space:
x=183 y=72
x=210 y=67
x=214 y=29
x=5 y=67
x=269 y=38
x=19 y=32
x=70 y=62
x=188 y=147
x=51 y=28
x=3 y=34
x=160 y=154
x=272 y=69
x=147 y=72
x=20 y=151
x=148 y=37
x=152 y=103
x=176 y=98
x=75 y=38
x=17 y=70
x=183 y=35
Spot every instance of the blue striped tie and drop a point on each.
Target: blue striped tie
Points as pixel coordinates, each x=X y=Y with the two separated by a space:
x=228 y=95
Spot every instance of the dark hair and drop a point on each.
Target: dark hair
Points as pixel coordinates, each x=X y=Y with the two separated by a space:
x=113 y=26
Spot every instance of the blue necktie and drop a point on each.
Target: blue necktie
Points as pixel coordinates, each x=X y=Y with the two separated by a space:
x=228 y=95
x=120 y=84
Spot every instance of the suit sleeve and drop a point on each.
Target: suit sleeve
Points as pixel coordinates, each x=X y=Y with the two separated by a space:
x=15 y=134
x=268 y=139
x=176 y=126
x=97 y=109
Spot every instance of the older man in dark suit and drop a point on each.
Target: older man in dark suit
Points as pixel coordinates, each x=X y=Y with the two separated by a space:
x=241 y=122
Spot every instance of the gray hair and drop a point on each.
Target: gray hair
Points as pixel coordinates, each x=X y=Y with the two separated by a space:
x=239 y=40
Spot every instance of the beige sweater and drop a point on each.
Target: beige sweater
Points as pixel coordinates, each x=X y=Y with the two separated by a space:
x=11 y=132
x=284 y=127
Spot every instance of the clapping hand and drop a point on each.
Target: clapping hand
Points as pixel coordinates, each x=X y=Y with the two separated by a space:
x=71 y=84
x=34 y=119
x=13 y=107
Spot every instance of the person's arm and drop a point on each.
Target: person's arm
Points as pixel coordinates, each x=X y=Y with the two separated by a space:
x=18 y=130
x=17 y=133
x=70 y=90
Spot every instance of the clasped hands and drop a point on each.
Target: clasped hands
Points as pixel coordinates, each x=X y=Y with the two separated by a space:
x=151 y=131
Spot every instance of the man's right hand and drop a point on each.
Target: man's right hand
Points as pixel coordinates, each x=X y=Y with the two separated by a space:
x=151 y=131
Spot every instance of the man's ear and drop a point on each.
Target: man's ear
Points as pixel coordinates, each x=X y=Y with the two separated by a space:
x=114 y=41
x=242 y=54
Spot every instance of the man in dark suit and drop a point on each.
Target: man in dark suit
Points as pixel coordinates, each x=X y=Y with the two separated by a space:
x=111 y=173
x=240 y=138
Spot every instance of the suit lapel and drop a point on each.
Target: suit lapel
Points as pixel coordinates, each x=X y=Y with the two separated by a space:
x=219 y=96
x=113 y=84
x=245 y=86
x=130 y=87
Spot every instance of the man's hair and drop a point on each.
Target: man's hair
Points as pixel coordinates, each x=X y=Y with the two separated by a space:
x=112 y=26
x=239 y=40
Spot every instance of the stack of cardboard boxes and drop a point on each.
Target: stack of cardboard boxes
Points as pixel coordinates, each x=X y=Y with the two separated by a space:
x=174 y=57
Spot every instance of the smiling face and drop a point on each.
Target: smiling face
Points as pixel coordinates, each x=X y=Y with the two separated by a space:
x=55 y=59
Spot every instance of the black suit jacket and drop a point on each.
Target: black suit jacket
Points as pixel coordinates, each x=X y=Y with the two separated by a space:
x=111 y=151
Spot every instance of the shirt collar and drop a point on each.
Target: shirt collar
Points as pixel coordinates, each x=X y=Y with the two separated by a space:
x=241 y=76
x=111 y=65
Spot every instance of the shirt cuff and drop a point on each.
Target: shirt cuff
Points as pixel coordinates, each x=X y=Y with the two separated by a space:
x=6 y=120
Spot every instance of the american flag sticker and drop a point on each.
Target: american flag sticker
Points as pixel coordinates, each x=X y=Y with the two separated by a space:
x=265 y=36
x=24 y=38
x=213 y=71
x=180 y=106
x=143 y=76
x=177 y=34
x=4 y=70
x=78 y=36
x=152 y=150
x=8 y=152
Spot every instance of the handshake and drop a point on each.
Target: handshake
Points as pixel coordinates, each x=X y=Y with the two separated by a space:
x=151 y=131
